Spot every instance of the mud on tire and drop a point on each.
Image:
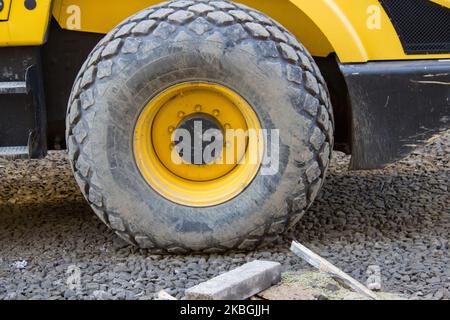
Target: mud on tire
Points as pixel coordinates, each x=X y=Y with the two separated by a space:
x=215 y=41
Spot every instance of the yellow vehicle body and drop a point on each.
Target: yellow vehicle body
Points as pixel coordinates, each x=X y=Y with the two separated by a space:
x=22 y=27
x=4 y=14
x=356 y=30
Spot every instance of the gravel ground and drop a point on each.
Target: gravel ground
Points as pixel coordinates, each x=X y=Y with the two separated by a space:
x=52 y=246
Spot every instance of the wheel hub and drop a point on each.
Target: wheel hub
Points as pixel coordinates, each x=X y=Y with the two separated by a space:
x=186 y=145
x=198 y=126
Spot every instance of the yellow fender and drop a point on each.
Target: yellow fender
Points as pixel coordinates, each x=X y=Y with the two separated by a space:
x=356 y=30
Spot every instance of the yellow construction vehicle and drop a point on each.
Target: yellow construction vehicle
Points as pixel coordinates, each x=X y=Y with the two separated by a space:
x=209 y=126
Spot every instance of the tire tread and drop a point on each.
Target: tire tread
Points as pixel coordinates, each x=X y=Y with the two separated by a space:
x=196 y=19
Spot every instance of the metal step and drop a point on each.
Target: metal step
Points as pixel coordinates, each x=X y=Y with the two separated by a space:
x=23 y=116
x=13 y=87
x=13 y=153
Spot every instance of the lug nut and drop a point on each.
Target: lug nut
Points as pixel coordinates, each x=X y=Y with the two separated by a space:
x=181 y=114
x=227 y=126
x=171 y=129
x=198 y=108
x=216 y=112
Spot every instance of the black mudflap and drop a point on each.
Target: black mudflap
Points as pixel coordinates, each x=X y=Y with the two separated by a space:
x=397 y=106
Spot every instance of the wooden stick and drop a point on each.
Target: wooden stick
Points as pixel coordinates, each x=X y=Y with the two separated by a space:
x=324 y=266
x=163 y=295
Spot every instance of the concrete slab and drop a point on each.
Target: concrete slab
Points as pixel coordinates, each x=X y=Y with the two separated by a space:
x=238 y=284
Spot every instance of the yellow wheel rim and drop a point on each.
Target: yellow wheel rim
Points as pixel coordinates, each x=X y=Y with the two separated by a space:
x=205 y=184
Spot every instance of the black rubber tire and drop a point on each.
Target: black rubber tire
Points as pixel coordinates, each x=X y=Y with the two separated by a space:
x=214 y=41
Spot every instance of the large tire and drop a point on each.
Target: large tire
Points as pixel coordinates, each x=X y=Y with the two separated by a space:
x=220 y=42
